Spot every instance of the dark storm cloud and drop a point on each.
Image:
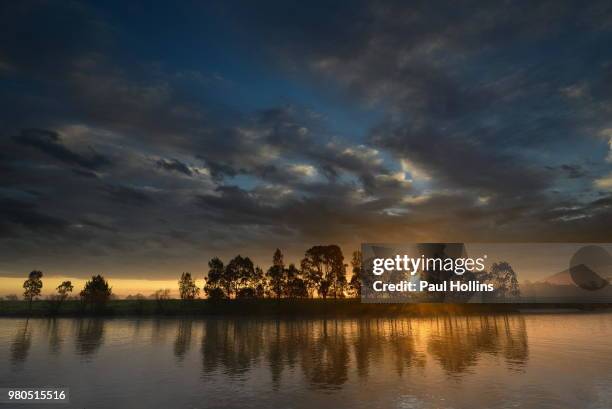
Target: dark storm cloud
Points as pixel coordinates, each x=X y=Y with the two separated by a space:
x=461 y=161
x=282 y=145
x=465 y=89
x=17 y=213
x=237 y=206
x=128 y=195
x=174 y=165
x=311 y=215
x=49 y=143
x=482 y=97
x=285 y=130
x=152 y=150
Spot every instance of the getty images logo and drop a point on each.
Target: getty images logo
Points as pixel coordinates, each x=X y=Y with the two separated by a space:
x=591 y=268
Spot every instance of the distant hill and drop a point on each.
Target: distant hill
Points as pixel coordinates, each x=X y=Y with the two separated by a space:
x=561 y=278
x=565 y=278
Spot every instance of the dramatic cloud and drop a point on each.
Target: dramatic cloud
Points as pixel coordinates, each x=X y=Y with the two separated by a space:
x=241 y=128
x=461 y=161
x=174 y=165
x=49 y=143
x=17 y=213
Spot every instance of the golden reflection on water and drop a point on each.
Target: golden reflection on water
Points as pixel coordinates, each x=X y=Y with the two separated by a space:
x=554 y=360
x=324 y=350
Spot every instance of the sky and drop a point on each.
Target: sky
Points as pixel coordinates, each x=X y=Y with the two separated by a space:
x=141 y=140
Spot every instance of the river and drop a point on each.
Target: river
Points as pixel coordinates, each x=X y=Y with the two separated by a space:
x=555 y=360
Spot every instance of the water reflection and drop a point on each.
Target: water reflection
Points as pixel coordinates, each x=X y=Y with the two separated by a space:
x=325 y=358
x=324 y=350
x=232 y=345
x=183 y=339
x=89 y=336
x=159 y=334
x=453 y=360
x=457 y=343
x=20 y=347
x=54 y=335
x=368 y=345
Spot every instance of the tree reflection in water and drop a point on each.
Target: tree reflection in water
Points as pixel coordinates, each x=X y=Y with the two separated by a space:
x=89 y=336
x=232 y=345
x=183 y=339
x=54 y=335
x=325 y=353
x=326 y=356
x=458 y=342
x=324 y=350
x=20 y=347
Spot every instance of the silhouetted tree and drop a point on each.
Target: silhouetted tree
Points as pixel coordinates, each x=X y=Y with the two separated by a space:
x=356 y=278
x=276 y=275
x=246 y=292
x=96 y=292
x=187 y=287
x=32 y=286
x=216 y=286
x=324 y=270
x=63 y=291
x=216 y=294
x=296 y=286
x=243 y=277
x=504 y=281
x=260 y=283
x=312 y=271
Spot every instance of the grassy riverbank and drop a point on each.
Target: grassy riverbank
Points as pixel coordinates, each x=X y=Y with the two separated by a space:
x=266 y=307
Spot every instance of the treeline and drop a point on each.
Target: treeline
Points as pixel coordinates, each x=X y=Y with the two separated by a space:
x=321 y=273
x=95 y=293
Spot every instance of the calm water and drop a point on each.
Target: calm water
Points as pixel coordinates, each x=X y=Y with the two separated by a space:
x=516 y=361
